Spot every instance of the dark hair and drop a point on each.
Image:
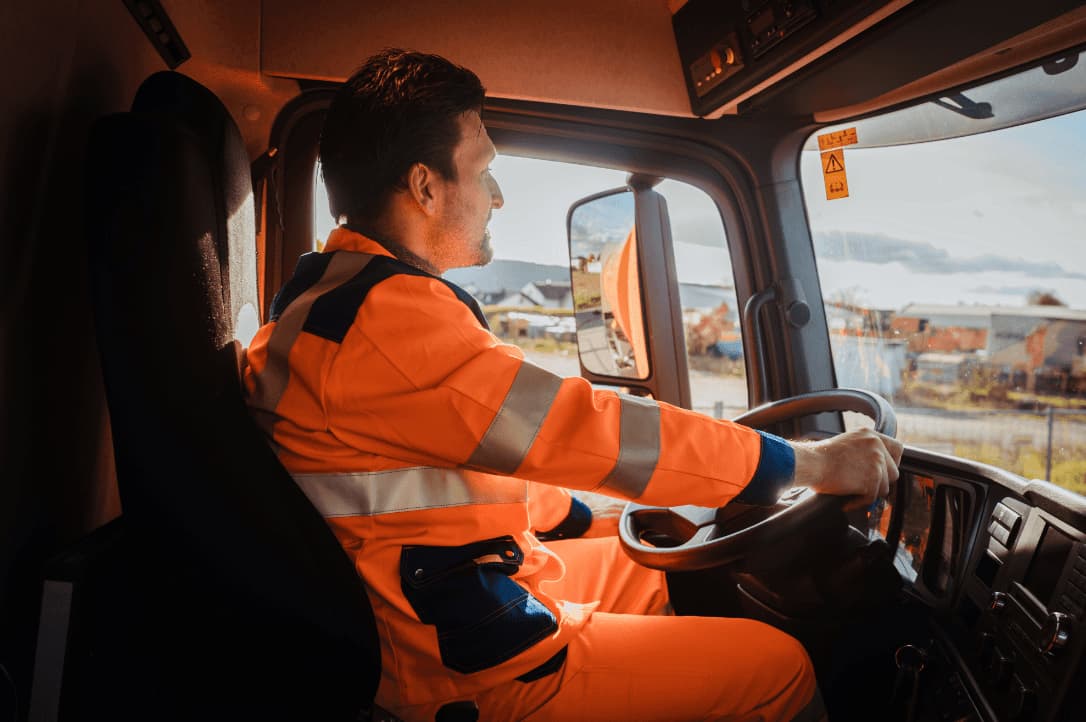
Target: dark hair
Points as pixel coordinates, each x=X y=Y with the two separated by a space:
x=398 y=109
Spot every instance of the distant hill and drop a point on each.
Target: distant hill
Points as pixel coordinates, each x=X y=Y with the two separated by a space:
x=505 y=274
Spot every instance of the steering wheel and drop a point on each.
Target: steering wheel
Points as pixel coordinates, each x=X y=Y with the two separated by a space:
x=685 y=538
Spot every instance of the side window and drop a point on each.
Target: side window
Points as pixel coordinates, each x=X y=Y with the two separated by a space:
x=953 y=282
x=323 y=223
x=525 y=290
x=714 y=349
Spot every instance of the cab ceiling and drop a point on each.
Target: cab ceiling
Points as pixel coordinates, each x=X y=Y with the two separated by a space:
x=621 y=54
x=598 y=53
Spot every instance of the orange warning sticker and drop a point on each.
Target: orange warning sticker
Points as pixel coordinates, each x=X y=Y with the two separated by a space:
x=833 y=172
x=837 y=139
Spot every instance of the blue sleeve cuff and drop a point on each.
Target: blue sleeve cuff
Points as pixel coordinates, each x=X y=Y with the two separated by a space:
x=776 y=468
x=574 y=525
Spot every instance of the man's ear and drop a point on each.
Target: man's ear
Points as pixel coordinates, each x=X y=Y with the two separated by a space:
x=423 y=187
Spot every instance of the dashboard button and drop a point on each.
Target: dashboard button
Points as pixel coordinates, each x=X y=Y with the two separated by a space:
x=999 y=667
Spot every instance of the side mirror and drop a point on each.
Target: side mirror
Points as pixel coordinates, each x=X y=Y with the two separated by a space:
x=605 y=276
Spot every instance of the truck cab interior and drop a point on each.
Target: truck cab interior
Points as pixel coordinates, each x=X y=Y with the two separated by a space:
x=843 y=213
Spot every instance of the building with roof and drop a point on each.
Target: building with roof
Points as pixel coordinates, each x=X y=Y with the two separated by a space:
x=1038 y=342
x=549 y=294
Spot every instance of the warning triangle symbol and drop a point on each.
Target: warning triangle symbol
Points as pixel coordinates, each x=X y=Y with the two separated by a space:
x=833 y=165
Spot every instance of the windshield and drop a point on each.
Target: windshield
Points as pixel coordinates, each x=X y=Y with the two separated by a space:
x=954 y=271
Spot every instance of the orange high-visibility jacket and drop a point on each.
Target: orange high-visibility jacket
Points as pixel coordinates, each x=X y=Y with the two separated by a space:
x=413 y=430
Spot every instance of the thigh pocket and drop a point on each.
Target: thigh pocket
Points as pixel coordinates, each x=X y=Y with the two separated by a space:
x=482 y=616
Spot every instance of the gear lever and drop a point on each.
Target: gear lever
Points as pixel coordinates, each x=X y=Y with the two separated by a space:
x=910 y=662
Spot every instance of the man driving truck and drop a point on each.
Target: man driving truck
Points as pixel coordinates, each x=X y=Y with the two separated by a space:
x=416 y=432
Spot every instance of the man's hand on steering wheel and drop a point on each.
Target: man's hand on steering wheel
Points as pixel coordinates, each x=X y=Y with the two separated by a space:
x=860 y=463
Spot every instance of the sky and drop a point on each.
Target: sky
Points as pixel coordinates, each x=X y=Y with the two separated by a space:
x=983 y=219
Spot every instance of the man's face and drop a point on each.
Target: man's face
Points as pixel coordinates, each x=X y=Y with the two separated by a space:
x=461 y=237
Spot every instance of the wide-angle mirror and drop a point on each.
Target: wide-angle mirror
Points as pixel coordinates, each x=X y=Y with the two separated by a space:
x=606 y=285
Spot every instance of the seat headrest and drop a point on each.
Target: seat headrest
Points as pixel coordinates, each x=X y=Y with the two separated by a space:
x=204 y=115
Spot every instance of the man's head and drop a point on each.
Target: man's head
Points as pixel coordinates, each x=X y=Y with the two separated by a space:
x=404 y=154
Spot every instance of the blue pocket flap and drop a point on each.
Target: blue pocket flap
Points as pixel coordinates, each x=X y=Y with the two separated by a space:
x=482 y=616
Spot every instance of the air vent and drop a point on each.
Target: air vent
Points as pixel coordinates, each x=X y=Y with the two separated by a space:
x=1073 y=597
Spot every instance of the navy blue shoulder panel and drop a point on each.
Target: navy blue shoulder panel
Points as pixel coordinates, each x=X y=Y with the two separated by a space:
x=309 y=270
x=334 y=312
x=468 y=300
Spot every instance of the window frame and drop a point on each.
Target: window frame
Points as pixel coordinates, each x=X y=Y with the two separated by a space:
x=288 y=208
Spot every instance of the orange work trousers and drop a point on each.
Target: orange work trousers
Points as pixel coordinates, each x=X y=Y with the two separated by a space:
x=632 y=662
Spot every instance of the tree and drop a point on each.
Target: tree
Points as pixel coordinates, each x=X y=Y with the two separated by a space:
x=1044 y=298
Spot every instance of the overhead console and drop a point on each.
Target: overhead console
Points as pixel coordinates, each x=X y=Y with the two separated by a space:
x=732 y=49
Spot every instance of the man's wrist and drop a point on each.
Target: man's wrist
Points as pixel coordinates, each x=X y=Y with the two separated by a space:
x=810 y=465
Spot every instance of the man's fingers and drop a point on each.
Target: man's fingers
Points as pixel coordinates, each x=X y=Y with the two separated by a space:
x=861 y=463
x=894 y=447
x=891 y=466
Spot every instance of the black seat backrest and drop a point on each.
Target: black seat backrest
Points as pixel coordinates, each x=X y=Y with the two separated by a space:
x=260 y=602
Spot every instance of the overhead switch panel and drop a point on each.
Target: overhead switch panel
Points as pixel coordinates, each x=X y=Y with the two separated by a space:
x=731 y=47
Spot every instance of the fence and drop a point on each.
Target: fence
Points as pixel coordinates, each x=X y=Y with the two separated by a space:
x=1049 y=444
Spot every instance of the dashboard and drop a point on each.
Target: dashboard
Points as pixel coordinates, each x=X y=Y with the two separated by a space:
x=1001 y=562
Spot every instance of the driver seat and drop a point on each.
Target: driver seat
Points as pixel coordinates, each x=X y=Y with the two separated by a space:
x=249 y=607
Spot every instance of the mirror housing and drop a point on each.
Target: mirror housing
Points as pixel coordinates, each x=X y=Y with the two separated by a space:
x=621 y=258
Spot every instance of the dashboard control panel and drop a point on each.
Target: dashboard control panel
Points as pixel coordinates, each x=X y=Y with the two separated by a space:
x=1007 y=567
x=1027 y=576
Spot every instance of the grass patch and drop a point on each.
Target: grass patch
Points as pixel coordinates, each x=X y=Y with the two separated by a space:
x=543 y=345
x=1068 y=465
x=586 y=290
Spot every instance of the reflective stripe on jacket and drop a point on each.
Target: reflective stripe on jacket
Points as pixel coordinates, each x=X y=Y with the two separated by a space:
x=412 y=429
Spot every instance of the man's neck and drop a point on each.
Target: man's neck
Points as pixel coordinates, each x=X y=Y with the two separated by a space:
x=408 y=256
x=401 y=252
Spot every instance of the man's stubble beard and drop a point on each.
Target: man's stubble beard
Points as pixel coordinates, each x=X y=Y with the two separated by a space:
x=486 y=251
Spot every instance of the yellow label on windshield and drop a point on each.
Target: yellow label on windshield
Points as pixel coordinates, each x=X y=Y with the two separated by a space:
x=833 y=173
x=837 y=139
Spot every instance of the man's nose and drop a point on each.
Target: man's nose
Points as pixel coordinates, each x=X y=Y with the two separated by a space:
x=496 y=198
